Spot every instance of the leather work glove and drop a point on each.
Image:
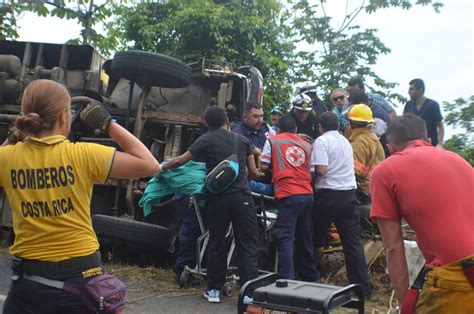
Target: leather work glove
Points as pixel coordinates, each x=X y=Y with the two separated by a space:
x=14 y=136
x=96 y=117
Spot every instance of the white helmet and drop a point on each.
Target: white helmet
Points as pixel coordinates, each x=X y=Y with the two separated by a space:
x=302 y=102
x=306 y=87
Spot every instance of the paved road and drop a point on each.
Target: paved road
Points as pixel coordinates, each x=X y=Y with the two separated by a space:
x=143 y=297
x=4 y=275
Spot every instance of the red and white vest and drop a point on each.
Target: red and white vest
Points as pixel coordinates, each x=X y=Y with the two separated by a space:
x=291 y=168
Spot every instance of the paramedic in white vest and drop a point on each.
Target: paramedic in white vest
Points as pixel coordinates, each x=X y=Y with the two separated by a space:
x=289 y=156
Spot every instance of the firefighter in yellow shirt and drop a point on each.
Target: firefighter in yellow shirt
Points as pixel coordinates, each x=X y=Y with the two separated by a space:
x=48 y=181
x=366 y=147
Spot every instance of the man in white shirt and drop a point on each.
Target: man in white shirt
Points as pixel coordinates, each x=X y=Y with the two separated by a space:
x=335 y=197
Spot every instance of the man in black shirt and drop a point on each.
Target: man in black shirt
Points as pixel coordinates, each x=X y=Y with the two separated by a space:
x=235 y=204
x=427 y=109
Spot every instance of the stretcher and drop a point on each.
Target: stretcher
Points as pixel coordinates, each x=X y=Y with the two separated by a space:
x=266 y=222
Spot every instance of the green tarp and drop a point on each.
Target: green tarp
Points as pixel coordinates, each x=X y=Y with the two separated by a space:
x=187 y=179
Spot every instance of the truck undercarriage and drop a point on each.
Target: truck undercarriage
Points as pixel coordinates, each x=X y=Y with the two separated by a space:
x=161 y=100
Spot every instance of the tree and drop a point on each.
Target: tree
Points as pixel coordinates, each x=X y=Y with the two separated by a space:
x=8 y=17
x=337 y=52
x=239 y=31
x=461 y=113
x=88 y=14
x=262 y=33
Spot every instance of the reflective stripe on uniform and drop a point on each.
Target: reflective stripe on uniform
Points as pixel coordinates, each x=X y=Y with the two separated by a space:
x=360 y=167
x=278 y=141
x=306 y=145
x=279 y=153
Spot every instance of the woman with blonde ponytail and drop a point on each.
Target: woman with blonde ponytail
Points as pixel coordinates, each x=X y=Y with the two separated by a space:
x=48 y=181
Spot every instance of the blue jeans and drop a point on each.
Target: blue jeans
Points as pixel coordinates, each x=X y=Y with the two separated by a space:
x=187 y=234
x=261 y=188
x=294 y=221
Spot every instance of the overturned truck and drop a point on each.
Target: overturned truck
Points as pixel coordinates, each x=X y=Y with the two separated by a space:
x=161 y=100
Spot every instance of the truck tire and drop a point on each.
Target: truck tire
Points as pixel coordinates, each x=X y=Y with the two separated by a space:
x=255 y=93
x=130 y=231
x=151 y=69
x=10 y=64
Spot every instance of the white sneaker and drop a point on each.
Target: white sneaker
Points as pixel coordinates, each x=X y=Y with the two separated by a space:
x=247 y=300
x=212 y=295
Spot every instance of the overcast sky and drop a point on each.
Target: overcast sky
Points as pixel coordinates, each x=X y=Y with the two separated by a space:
x=435 y=47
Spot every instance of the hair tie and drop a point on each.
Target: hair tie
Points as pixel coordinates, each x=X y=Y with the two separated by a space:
x=33 y=114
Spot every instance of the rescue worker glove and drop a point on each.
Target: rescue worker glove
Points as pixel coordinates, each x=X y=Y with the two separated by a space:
x=14 y=136
x=96 y=117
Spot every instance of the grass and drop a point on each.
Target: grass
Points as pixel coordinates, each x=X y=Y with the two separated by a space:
x=144 y=279
x=151 y=281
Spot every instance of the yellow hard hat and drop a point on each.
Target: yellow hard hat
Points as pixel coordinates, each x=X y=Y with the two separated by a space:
x=361 y=113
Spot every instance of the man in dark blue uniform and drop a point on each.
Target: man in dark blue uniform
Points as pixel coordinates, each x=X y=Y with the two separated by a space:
x=253 y=127
x=427 y=109
x=256 y=131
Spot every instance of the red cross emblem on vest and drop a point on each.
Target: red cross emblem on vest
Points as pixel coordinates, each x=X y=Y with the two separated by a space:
x=295 y=156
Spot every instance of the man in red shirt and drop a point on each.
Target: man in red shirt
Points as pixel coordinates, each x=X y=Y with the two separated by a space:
x=432 y=189
x=289 y=156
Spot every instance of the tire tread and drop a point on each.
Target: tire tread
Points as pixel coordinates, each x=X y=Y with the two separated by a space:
x=147 y=68
x=130 y=230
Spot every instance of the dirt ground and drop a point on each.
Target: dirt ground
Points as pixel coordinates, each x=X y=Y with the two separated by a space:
x=152 y=282
x=152 y=290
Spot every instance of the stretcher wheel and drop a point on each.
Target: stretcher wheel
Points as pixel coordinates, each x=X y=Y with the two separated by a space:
x=184 y=279
x=228 y=289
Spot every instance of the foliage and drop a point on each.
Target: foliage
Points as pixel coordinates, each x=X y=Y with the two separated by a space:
x=461 y=113
x=87 y=13
x=462 y=145
x=8 y=17
x=336 y=53
x=374 y=5
x=263 y=33
x=239 y=31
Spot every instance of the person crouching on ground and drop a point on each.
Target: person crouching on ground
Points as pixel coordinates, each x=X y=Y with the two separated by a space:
x=55 y=239
x=235 y=204
x=289 y=156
